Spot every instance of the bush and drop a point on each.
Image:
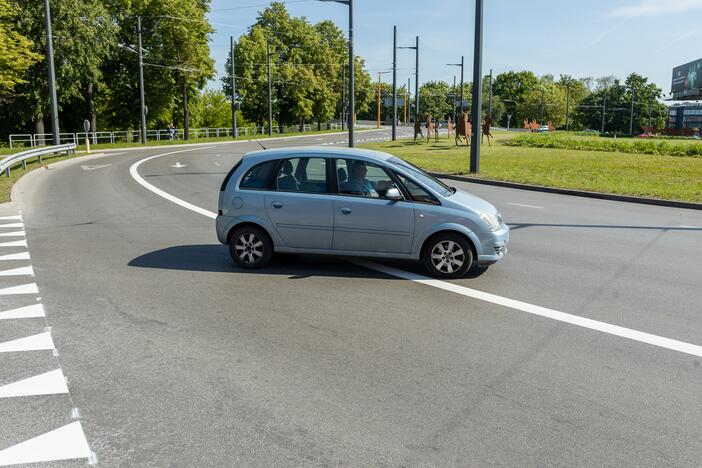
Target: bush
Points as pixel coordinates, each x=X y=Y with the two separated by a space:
x=555 y=141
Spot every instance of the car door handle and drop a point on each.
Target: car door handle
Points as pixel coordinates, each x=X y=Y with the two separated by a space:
x=277 y=204
x=345 y=210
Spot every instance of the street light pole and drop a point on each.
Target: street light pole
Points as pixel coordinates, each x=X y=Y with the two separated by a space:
x=567 y=105
x=416 y=78
x=477 y=79
x=52 y=75
x=343 y=95
x=604 y=111
x=394 y=83
x=631 y=113
x=490 y=97
x=141 y=84
x=454 y=84
x=270 y=91
x=453 y=101
x=234 y=129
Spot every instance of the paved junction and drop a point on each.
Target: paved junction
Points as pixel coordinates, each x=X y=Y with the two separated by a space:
x=580 y=348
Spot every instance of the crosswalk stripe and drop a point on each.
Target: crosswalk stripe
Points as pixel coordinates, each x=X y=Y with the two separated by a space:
x=22 y=271
x=29 y=288
x=12 y=234
x=18 y=243
x=31 y=311
x=39 y=342
x=12 y=225
x=15 y=256
x=11 y=218
x=48 y=383
x=65 y=443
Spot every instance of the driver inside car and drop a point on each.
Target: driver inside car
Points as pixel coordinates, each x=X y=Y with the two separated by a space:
x=358 y=184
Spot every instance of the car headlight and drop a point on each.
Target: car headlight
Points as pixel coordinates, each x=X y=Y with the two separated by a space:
x=494 y=222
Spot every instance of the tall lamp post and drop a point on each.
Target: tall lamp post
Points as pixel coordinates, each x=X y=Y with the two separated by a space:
x=394 y=83
x=270 y=90
x=380 y=73
x=52 y=75
x=141 y=83
x=234 y=103
x=459 y=65
x=416 y=77
x=352 y=81
x=476 y=104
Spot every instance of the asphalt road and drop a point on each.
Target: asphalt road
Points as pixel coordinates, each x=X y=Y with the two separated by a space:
x=175 y=357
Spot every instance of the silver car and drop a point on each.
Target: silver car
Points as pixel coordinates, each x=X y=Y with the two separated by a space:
x=353 y=202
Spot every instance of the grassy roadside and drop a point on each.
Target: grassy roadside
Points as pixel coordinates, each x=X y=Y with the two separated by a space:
x=6 y=183
x=644 y=175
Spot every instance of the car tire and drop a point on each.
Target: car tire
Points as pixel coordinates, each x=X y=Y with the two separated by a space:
x=448 y=255
x=250 y=247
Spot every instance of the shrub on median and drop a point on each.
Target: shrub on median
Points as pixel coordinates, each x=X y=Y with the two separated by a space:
x=556 y=141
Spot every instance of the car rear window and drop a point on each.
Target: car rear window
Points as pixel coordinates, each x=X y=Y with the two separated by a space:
x=258 y=176
x=229 y=176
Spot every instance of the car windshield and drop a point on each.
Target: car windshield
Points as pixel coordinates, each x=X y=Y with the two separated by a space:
x=424 y=178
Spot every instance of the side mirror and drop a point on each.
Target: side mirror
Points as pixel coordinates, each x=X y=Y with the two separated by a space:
x=393 y=194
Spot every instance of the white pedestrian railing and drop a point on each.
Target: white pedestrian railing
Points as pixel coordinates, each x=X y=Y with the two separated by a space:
x=22 y=157
x=125 y=136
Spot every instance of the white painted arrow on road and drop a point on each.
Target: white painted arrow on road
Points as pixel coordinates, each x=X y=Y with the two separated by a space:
x=87 y=167
x=179 y=165
x=64 y=443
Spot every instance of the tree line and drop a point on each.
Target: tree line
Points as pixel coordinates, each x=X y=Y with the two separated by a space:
x=96 y=56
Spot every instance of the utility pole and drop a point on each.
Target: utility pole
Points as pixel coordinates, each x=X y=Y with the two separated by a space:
x=52 y=75
x=604 y=110
x=409 y=101
x=270 y=91
x=378 y=99
x=234 y=104
x=141 y=83
x=542 y=106
x=631 y=114
x=394 y=83
x=343 y=95
x=490 y=97
x=416 y=81
x=454 y=84
x=567 y=105
x=477 y=85
x=453 y=101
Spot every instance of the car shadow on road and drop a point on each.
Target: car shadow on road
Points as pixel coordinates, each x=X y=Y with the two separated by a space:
x=215 y=258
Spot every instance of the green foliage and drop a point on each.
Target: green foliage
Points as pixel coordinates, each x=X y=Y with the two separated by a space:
x=16 y=50
x=435 y=99
x=641 y=146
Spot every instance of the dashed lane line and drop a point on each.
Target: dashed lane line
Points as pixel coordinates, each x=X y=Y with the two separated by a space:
x=523 y=205
x=603 y=327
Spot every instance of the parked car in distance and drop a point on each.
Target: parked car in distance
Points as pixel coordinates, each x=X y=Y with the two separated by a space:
x=543 y=128
x=353 y=202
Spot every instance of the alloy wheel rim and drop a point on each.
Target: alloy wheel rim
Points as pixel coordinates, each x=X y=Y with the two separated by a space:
x=249 y=248
x=447 y=256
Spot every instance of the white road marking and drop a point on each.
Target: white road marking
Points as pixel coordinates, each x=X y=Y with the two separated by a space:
x=30 y=288
x=65 y=443
x=32 y=311
x=18 y=243
x=11 y=218
x=140 y=180
x=15 y=256
x=218 y=164
x=12 y=225
x=87 y=167
x=22 y=271
x=39 y=342
x=13 y=234
x=596 y=325
x=179 y=165
x=48 y=383
x=603 y=327
x=526 y=206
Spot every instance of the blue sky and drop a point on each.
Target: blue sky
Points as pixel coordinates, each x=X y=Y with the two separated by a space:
x=581 y=38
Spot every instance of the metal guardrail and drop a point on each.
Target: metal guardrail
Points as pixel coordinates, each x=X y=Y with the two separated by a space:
x=40 y=139
x=22 y=157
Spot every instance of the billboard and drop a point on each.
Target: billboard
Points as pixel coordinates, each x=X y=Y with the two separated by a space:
x=687 y=80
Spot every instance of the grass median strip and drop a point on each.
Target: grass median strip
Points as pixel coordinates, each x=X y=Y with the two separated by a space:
x=642 y=175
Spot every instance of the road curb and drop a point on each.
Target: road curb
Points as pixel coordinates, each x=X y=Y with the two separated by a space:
x=571 y=192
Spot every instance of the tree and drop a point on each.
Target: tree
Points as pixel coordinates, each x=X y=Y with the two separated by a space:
x=16 y=50
x=211 y=109
x=435 y=99
x=513 y=88
x=306 y=69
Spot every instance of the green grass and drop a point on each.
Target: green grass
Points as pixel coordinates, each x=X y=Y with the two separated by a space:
x=562 y=140
x=644 y=175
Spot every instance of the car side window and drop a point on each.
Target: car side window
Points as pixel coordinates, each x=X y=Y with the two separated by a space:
x=258 y=176
x=362 y=179
x=302 y=175
x=416 y=191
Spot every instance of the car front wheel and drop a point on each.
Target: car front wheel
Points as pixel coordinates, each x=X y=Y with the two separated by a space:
x=250 y=247
x=448 y=256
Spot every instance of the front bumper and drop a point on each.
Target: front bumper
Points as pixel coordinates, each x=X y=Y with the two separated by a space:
x=494 y=246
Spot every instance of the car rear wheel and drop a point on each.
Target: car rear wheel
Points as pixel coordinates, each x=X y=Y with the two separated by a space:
x=448 y=256
x=250 y=247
